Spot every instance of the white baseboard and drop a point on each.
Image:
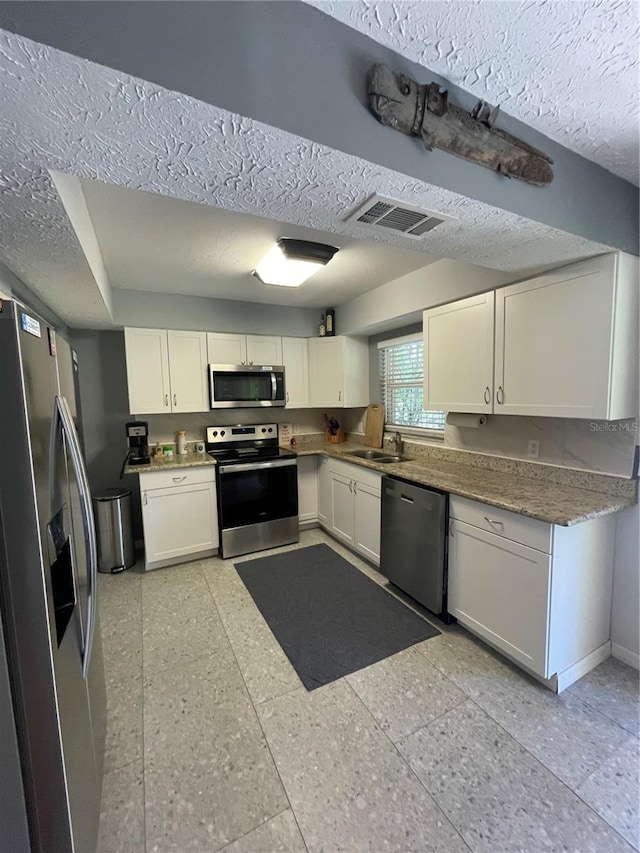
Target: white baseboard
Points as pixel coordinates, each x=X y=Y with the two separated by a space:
x=568 y=676
x=625 y=655
x=308 y=524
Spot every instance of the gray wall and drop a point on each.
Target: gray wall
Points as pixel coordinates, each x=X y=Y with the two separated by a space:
x=15 y=287
x=625 y=612
x=374 y=361
x=165 y=311
x=105 y=411
x=290 y=66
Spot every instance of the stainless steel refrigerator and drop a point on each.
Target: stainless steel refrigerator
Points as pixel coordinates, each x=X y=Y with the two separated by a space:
x=52 y=693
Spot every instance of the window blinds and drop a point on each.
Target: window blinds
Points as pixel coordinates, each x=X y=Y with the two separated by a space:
x=401 y=375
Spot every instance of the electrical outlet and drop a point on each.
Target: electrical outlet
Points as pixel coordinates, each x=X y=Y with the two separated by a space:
x=534 y=449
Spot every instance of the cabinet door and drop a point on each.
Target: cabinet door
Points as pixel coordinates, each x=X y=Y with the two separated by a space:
x=147 y=371
x=307 y=488
x=367 y=521
x=262 y=349
x=188 y=371
x=458 y=355
x=355 y=372
x=500 y=590
x=325 y=372
x=553 y=343
x=325 y=507
x=179 y=521
x=296 y=366
x=224 y=348
x=342 y=508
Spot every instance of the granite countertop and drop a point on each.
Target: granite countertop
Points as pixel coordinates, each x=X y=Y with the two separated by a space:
x=160 y=463
x=546 y=501
x=538 y=498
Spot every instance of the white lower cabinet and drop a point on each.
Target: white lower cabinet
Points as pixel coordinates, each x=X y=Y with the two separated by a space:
x=307 y=490
x=179 y=516
x=367 y=520
x=350 y=499
x=500 y=589
x=343 y=513
x=538 y=592
x=324 y=492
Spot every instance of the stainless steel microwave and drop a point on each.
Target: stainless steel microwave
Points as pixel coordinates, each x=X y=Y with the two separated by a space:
x=246 y=385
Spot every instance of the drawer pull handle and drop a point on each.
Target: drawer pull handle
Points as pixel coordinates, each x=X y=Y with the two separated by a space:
x=487 y=395
x=144 y=500
x=494 y=521
x=500 y=395
x=166 y=399
x=451 y=529
x=179 y=479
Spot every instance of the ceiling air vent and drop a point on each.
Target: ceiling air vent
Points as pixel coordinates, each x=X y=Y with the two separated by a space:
x=379 y=212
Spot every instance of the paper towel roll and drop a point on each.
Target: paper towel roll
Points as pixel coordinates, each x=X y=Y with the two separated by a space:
x=461 y=419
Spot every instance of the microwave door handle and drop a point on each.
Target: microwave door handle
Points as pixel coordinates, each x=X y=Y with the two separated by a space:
x=75 y=452
x=274 y=386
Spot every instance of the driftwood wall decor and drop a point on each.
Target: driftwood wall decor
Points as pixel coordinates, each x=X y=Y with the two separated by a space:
x=399 y=102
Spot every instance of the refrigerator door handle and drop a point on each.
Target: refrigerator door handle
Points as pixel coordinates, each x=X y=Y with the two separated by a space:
x=73 y=444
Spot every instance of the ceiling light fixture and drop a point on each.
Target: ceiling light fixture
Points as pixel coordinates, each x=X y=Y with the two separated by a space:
x=290 y=262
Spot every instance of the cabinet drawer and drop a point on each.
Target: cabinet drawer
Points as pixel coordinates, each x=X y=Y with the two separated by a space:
x=177 y=477
x=518 y=528
x=356 y=472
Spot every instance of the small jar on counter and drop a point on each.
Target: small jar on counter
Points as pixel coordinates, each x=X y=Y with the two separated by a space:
x=181 y=442
x=168 y=451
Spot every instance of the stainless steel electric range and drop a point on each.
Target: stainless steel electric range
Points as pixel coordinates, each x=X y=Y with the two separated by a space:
x=257 y=488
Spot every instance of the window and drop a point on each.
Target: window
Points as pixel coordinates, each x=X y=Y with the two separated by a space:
x=401 y=375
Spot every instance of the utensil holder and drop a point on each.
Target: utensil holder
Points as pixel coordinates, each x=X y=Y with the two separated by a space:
x=338 y=438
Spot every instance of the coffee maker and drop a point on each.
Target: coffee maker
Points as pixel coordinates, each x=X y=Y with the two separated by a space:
x=138 y=436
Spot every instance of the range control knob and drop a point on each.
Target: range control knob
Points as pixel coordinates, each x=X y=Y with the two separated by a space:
x=263 y=429
x=215 y=433
x=270 y=429
x=222 y=432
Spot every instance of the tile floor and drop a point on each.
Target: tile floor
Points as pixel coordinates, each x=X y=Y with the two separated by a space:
x=214 y=745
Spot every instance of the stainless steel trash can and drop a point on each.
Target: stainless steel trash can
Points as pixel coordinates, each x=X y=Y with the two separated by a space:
x=114 y=530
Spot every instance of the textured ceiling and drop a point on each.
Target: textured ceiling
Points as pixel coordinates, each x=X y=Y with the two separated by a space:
x=64 y=113
x=568 y=68
x=149 y=242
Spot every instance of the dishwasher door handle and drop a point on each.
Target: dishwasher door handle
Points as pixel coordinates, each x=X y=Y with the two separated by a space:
x=406 y=499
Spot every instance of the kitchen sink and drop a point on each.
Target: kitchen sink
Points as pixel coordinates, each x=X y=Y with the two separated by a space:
x=368 y=454
x=377 y=456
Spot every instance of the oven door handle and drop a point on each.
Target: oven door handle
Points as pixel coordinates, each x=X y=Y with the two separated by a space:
x=256 y=466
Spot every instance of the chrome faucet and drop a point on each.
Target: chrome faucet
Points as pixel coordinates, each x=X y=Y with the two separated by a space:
x=397 y=443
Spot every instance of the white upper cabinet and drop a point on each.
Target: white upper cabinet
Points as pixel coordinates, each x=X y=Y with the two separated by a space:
x=166 y=371
x=263 y=349
x=147 y=371
x=296 y=369
x=226 y=348
x=188 y=371
x=458 y=355
x=567 y=342
x=563 y=344
x=338 y=372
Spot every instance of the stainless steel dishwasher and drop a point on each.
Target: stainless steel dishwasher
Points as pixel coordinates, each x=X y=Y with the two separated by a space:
x=413 y=548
